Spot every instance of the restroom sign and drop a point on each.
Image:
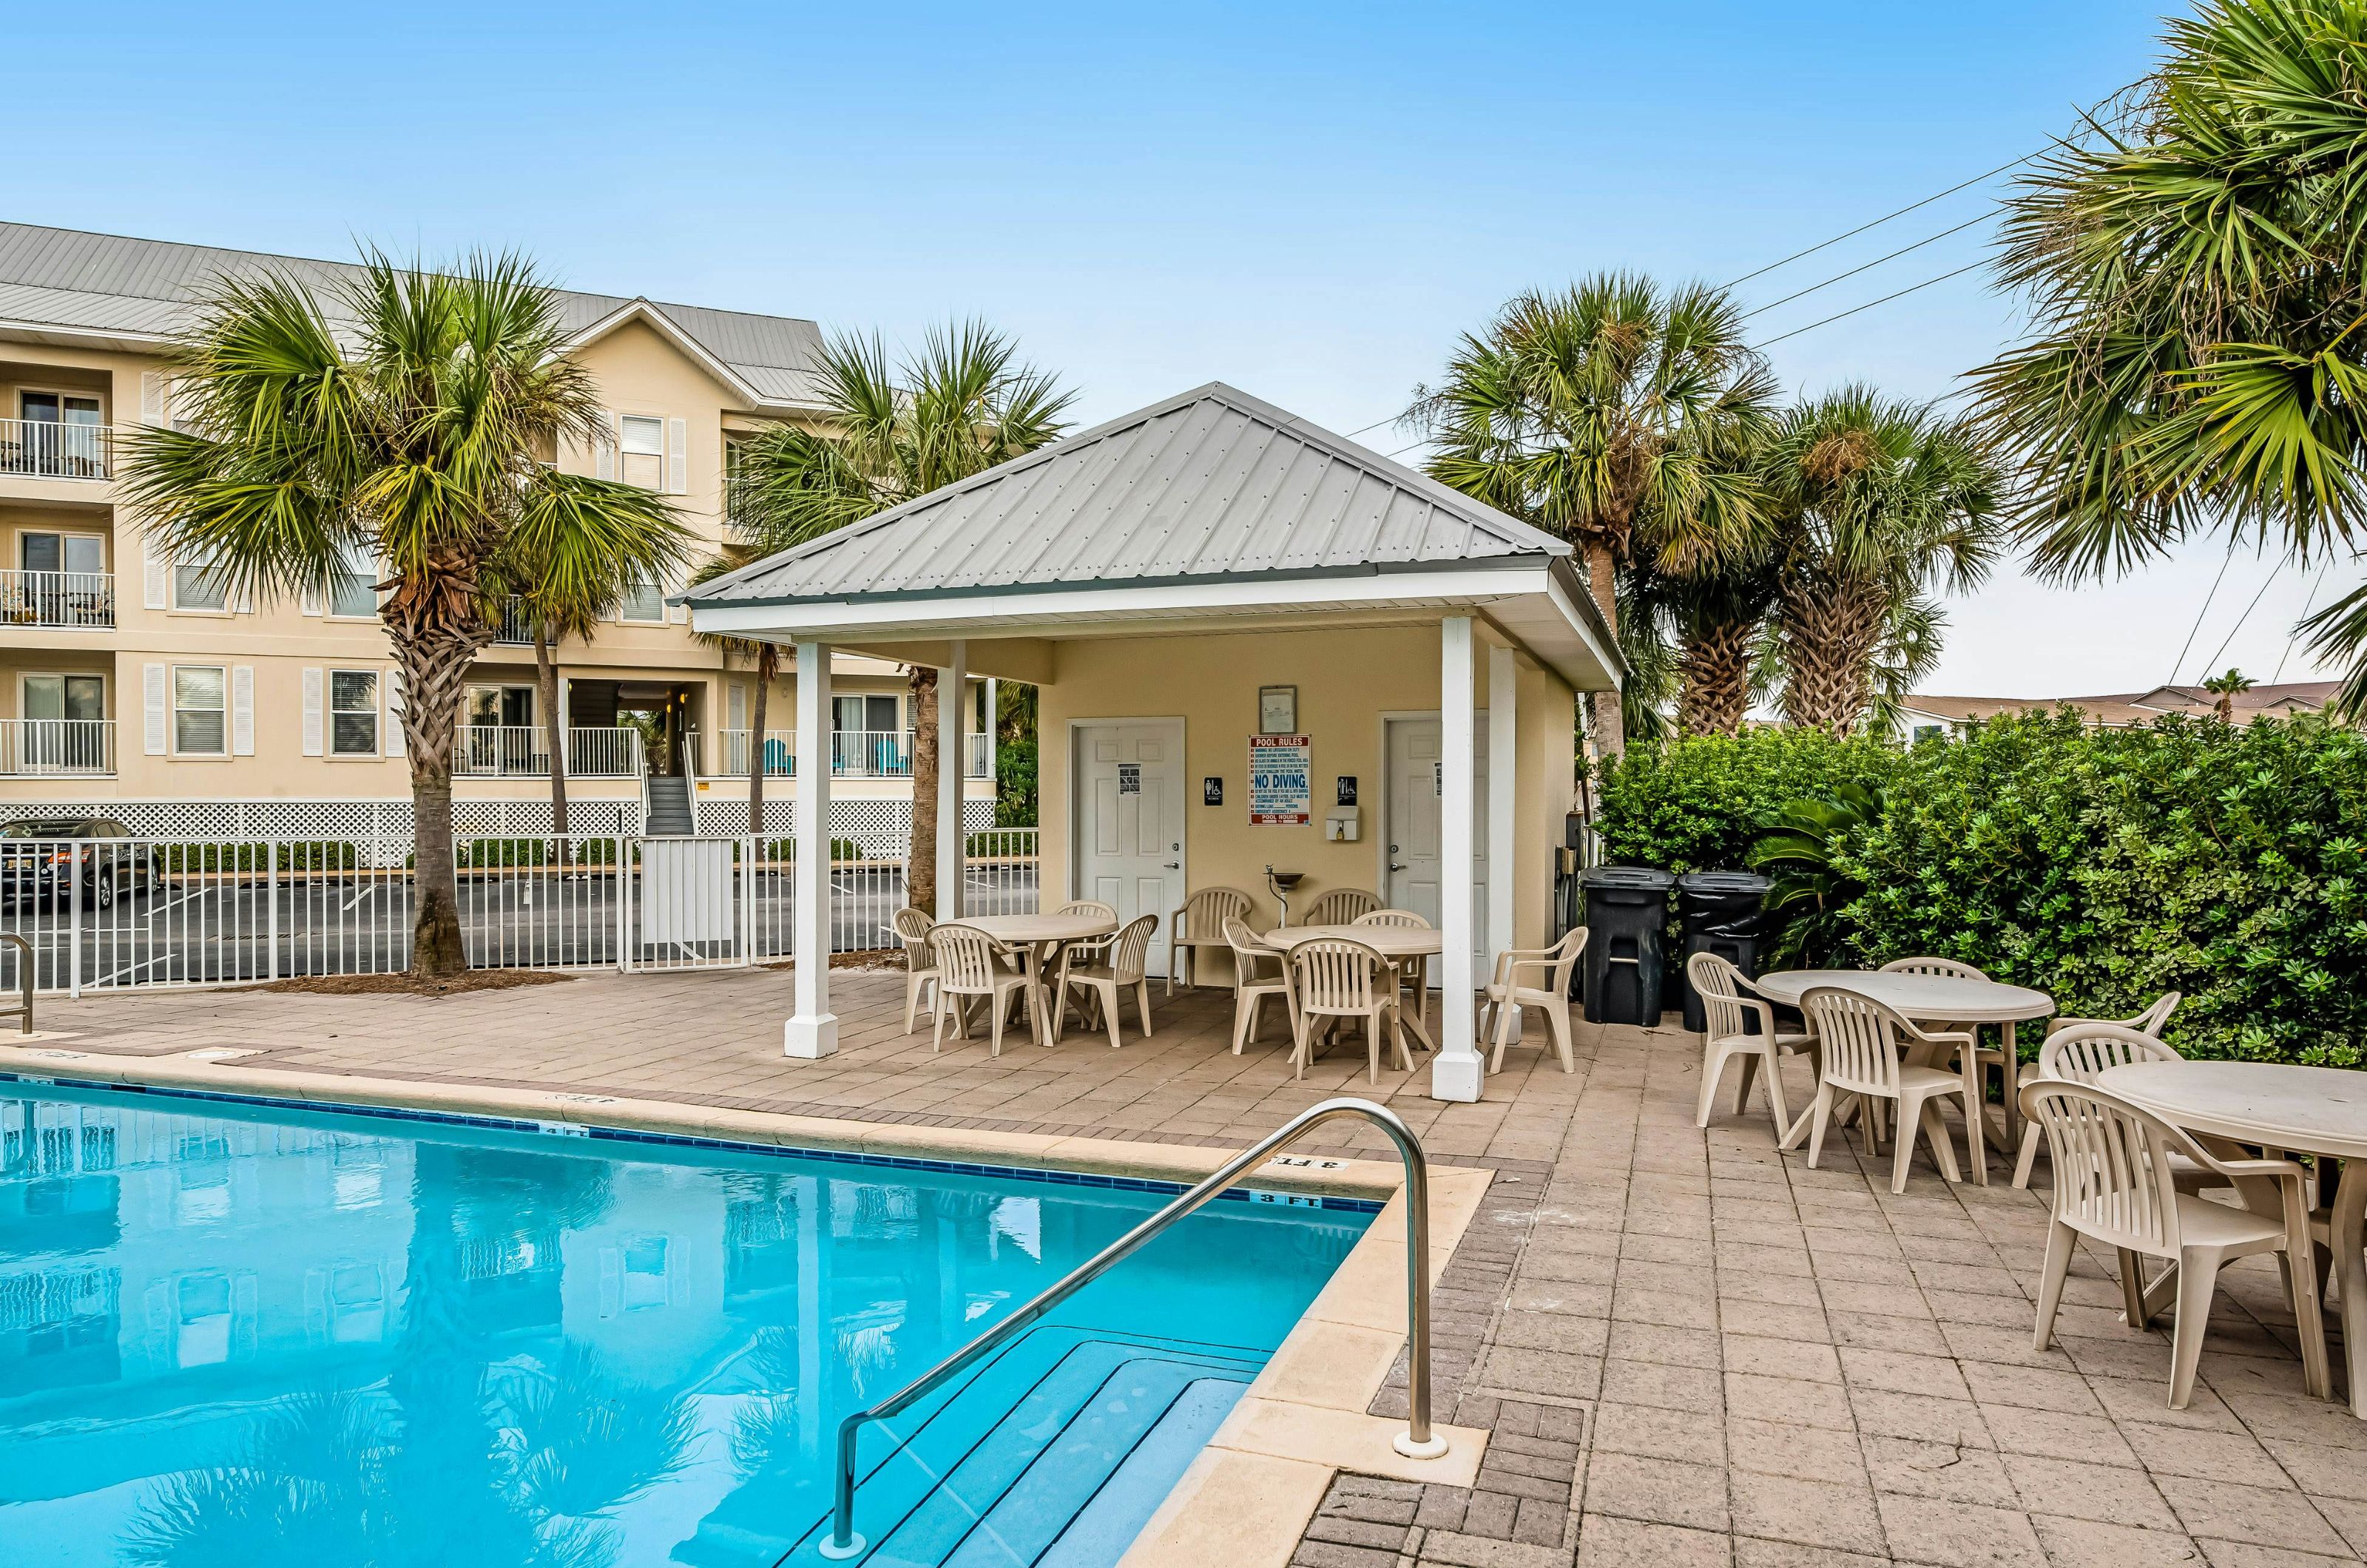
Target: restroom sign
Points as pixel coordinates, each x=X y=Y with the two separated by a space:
x=1281 y=781
x=1129 y=778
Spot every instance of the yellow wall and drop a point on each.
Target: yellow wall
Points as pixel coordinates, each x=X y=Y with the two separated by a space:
x=1348 y=680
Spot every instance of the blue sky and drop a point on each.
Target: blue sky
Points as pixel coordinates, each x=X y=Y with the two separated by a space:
x=1307 y=201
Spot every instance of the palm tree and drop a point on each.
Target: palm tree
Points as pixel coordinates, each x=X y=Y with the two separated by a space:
x=411 y=430
x=1608 y=414
x=765 y=658
x=2226 y=688
x=1876 y=502
x=569 y=567
x=886 y=434
x=2192 y=266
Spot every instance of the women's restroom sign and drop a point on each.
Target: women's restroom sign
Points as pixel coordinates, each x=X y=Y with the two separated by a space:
x=1281 y=781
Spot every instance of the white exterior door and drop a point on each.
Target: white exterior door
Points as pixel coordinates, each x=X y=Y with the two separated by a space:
x=1126 y=792
x=1411 y=812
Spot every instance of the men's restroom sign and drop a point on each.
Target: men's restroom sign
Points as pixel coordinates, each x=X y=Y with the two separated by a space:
x=1281 y=781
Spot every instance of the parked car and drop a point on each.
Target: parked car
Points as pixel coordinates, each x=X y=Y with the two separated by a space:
x=37 y=856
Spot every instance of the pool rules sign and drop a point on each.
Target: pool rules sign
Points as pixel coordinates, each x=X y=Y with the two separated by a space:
x=1281 y=781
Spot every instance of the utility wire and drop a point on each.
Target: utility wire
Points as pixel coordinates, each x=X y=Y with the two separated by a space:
x=2306 y=605
x=2242 y=618
x=1852 y=272
x=1870 y=304
x=1885 y=217
x=2189 y=645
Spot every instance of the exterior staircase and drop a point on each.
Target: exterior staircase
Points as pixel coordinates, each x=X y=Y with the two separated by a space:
x=666 y=802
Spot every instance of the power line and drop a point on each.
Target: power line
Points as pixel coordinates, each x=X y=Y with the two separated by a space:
x=2242 y=618
x=2188 y=646
x=1870 y=304
x=1885 y=217
x=2306 y=605
x=1852 y=272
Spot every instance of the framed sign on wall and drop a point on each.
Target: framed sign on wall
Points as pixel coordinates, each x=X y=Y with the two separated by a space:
x=1281 y=793
x=1278 y=710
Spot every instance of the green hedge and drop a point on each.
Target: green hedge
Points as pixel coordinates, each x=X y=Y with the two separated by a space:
x=2103 y=867
x=1700 y=805
x=214 y=860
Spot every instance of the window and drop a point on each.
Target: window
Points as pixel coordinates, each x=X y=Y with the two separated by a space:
x=353 y=712
x=644 y=601
x=65 y=721
x=200 y=719
x=197 y=586
x=60 y=438
x=641 y=445
x=877 y=715
x=353 y=586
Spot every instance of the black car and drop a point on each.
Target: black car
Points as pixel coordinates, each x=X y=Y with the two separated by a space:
x=37 y=858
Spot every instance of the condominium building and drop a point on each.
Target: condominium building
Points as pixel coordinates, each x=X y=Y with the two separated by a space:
x=134 y=686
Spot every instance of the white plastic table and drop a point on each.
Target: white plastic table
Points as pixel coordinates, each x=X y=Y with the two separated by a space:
x=1929 y=999
x=1394 y=944
x=2317 y=1110
x=1039 y=939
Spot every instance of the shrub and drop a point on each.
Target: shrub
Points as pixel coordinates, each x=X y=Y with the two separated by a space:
x=215 y=859
x=1701 y=805
x=478 y=853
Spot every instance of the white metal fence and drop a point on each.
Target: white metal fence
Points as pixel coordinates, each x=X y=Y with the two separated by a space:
x=84 y=599
x=104 y=914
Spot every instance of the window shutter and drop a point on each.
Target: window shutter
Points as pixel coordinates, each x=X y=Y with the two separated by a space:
x=152 y=407
x=393 y=713
x=737 y=707
x=311 y=602
x=242 y=710
x=155 y=575
x=241 y=601
x=151 y=698
x=603 y=451
x=312 y=679
x=677 y=457
x=678 y=614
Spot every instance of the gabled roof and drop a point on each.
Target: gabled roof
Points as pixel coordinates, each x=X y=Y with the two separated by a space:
x=65 y=286
x=1210 y=486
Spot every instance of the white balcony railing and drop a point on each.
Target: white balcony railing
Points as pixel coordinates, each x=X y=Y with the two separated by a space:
x=84 y=599
x=46 y=448
x=854 y=753
x=523 y=752
x=43 y=746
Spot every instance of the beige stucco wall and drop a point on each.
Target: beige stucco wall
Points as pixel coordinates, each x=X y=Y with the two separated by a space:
x=1349 y=680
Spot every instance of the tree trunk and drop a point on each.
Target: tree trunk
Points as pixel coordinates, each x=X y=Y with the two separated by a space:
x=546 y=675
x=767 y=665
x=1717 y=665
x=1610 y=727
x=1831 y=633
x=434 y=680
x=920 y=861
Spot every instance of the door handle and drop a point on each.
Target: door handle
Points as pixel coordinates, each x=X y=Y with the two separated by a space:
x=1395 y=867
x=1174 y=865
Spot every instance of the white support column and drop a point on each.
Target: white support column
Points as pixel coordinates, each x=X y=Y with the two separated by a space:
x=993 y=721
x=952 y=695
x=1503 y=774
x=1455 y=1073
x=813 y=1032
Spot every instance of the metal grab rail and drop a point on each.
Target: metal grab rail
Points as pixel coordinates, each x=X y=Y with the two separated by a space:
x=23 y=1010
x=1416 y=1443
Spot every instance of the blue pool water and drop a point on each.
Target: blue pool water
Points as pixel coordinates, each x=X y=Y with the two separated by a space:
x=238 y=1337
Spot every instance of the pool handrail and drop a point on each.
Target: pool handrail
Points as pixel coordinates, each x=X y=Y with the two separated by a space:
x=1417 y=1441
x=23 y=1010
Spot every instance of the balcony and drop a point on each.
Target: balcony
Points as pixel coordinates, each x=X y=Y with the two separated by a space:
x=516 y=628
x=854 y=753
x=523 y=752
x=83 y=600
x=52 y=747
x=50 y=449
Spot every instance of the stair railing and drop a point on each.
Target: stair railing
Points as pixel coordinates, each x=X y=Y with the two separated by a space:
x=1417 y=1441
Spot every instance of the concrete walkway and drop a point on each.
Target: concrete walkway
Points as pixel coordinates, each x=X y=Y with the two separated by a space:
x=1691 y=1350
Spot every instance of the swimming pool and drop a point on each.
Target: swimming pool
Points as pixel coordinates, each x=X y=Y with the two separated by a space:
x=232 y=1334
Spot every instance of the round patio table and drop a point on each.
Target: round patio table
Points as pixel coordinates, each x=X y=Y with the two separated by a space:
x=1039 y=939
x=1394 y=944
x=2317 y=1110
x=1929 y=999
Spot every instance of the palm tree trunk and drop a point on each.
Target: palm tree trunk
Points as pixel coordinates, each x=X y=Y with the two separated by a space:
x=545 y=674
x=920 y=861
x=1831 y=633
x=1610 y=728
x=768 y=663
x=435 y=679
x=1716 y=664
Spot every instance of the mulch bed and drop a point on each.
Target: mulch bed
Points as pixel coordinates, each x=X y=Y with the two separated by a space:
x=408 y=986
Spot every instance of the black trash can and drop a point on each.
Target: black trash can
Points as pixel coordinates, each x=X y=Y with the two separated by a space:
x=1627 y=913
x=1722 y=912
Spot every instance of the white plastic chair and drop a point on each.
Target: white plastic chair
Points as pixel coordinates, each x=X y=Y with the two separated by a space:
x=1252 y=985
x=2114 y=1184
x=1414 y=971
x=2150 y=1022
x=1334 y=978
x=967 y=967
x=1984 y=1056
x=1858 y=1058
x=1341 y=906
x=1728 y=1012
x=1123 y=972
x=1550 y=996
x=1198 y=925
x=2081 y=1051
x=911 y=929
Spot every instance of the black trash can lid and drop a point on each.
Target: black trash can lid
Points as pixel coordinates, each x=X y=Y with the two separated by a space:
x=1639 y=878
x=1722 y=882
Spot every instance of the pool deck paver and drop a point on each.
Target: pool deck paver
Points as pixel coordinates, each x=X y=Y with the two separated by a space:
x=1689 y=1348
